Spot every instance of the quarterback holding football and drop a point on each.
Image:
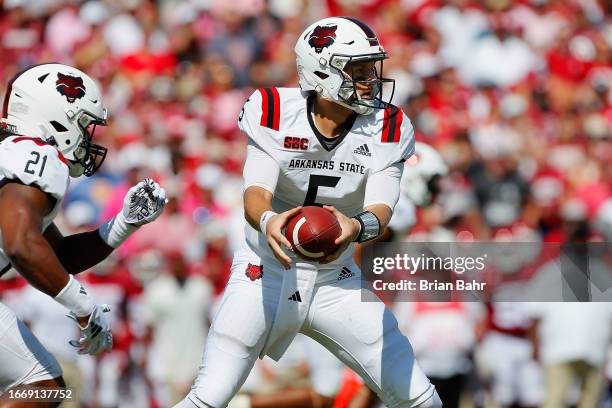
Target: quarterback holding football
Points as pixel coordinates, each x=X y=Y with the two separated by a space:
x=49 y=115
x=336 y=143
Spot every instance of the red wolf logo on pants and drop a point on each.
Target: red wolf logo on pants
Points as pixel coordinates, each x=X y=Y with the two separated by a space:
x=254 y=272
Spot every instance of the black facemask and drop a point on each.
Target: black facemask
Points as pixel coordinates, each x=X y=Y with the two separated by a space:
x=375 y=80
x=92 y=155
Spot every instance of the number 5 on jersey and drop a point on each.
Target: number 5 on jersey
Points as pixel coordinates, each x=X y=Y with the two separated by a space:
x=316 y=181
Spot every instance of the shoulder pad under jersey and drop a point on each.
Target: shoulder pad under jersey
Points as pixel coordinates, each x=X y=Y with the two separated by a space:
x=32 y=161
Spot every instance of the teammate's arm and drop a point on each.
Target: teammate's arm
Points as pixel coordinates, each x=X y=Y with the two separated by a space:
x=260 y=177
x=143 y=204
x=78 y=252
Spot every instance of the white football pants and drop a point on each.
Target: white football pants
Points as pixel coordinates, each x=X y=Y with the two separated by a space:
x=364 y=335
x=23 y=360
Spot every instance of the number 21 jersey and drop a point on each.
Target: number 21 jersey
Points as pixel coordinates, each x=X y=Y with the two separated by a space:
x=31 y=161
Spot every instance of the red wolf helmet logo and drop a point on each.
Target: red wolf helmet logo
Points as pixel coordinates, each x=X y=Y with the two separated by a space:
x=322 y=37
x=71 y=87
x=254 y=272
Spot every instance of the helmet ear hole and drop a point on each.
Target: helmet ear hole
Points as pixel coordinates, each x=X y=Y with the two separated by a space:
x=321 y=75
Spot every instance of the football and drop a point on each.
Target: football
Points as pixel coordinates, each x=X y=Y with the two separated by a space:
x=312 y=233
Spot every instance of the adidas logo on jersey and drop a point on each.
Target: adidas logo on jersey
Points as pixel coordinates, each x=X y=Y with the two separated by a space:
x=295 y=297
x=363 y=150
x=345 y=273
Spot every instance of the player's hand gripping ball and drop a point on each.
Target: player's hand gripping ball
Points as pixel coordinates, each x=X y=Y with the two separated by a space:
x=312 y=233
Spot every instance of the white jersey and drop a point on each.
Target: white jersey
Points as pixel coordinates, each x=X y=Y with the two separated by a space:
x=33 y=162
x=316 y=170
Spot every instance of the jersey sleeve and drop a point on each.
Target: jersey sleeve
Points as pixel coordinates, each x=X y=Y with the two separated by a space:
x=35 y=163
x=395 y=140
x=407 y=141
x=383 y=187
x=260 y=170
x=259 y=117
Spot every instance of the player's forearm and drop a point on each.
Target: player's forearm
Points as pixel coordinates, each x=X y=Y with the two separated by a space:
x=382 y=212
x=382 y=193
x=35 y=260
x=256 y=201
x=79 y=252
x=21 y=209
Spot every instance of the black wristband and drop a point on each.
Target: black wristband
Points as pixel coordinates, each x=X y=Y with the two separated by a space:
x=370 y=226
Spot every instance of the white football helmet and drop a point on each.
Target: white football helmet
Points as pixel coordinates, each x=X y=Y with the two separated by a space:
x=324 y=52
x=61 y=105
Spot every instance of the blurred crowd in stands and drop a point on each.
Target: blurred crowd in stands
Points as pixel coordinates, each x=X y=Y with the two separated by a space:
x=515 y=95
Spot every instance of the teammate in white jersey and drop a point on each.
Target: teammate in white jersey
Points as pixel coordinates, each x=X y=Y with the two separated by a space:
x=50 y=112
x=333 y=142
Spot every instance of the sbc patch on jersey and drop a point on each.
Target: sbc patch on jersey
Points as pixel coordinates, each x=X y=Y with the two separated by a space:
x=296 y=143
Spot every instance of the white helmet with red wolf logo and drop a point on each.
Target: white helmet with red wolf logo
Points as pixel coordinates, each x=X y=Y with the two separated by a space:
x=61 y=105
x=324 y=52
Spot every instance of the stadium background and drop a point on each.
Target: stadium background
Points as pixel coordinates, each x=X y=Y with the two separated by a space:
x=515 y=96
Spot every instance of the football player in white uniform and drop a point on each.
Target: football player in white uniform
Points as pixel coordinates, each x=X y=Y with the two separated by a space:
x=334 y=142
x=50 y=112
x=418 y=187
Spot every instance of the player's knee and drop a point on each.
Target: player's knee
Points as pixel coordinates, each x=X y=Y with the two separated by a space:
x=403 y=382
x=396 y=392
x=399 y=381
x=233 y=344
